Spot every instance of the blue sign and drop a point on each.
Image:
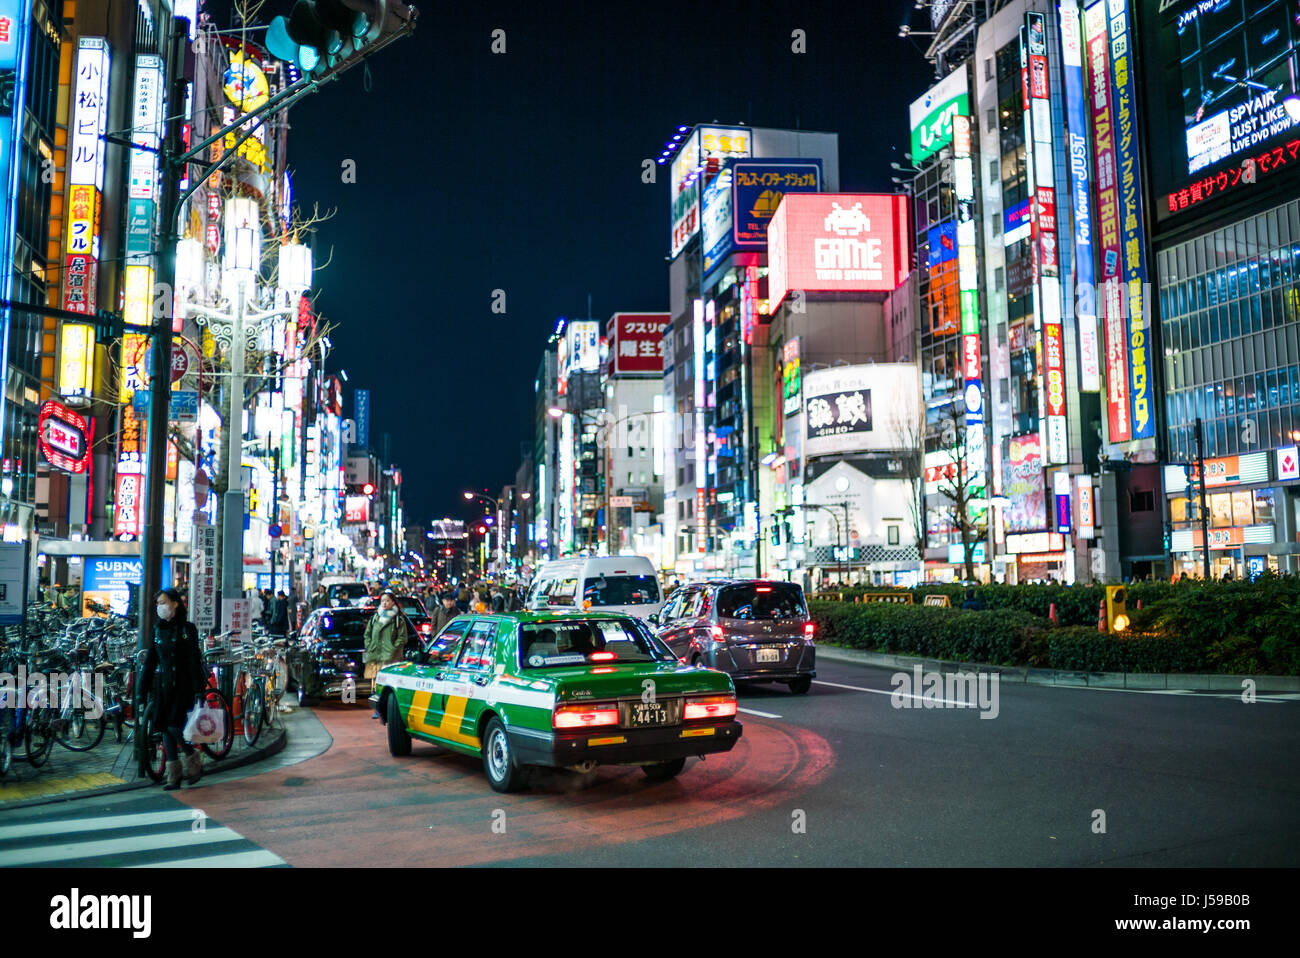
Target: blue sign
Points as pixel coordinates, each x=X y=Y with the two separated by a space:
x=361 y=415
x=1015 y=222
x=1062 y=513
x=943 y=244
x=757 y=188
x=183 y=404
x=281 y=581
x=715 y=221
x=109 y=580
x=16 y=14
x=1255 y=566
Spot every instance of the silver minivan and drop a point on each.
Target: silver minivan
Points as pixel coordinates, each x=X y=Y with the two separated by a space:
x=622 y=584
x=755 y=630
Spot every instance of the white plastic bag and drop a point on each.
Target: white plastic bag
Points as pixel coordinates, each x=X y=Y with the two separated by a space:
x=205 y=725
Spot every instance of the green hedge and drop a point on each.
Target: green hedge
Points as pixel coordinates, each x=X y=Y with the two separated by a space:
x=1221 y=627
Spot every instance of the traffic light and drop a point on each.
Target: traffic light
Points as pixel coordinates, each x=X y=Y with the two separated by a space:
x=1116 y=609
x=482 y=530
x=368 y=489
x=319 y=34
x=776 y=530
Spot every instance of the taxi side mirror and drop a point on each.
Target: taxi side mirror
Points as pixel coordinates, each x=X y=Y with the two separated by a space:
x=653 y=618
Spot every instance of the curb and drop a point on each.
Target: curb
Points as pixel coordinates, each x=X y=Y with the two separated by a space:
x=1168 y=682
x=126 y=761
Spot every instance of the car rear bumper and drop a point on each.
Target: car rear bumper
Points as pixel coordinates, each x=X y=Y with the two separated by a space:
x=772 y=675
x=623 y=746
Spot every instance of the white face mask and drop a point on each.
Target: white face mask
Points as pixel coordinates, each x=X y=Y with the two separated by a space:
x=164 y=611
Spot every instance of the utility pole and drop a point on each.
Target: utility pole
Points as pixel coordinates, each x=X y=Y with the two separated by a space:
x=1205 y=512
x=173 y=149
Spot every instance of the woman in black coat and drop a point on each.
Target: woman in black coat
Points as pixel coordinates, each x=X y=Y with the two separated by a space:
x=174 y=672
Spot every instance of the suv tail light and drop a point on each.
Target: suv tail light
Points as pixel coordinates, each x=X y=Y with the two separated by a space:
x=585 y=716
x=426 y=627
x=709 y=707
x=808 y=629
x=716 y=632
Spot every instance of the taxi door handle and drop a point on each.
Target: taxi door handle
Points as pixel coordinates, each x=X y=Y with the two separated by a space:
x=439 y=675
x=482 y=680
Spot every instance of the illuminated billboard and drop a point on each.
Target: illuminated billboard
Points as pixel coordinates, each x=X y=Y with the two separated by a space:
x=931 y=115
x=867 y=408
x=1024 y=483
x=757 y=189
x=636 y=342
x=837 y=242
x=705 y=148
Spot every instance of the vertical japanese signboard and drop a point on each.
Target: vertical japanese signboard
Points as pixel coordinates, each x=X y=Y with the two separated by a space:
x=1132 y=238
x=89 y=122
x=203 y=575
x=1118 y=420
x=968 y=297
x=13 y=44
x=1081 y=200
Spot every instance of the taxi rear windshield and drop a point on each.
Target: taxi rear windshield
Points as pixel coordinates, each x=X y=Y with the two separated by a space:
x=545 y=645
x=778 y=600
x=621 y=590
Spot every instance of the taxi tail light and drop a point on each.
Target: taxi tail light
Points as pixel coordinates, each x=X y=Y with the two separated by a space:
x=709 y=707
x=426 y=627
x=584 y=716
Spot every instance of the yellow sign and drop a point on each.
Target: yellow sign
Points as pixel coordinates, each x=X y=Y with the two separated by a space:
x=77 y=360
x=938 y=601
x=133 y=346
x=244 y=83
x=139 y=292
x=904 y=598
x=82 y=225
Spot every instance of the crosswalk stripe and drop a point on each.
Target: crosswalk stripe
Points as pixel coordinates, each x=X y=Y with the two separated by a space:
x=255 y=859
x=69 y=851
x=69 y=826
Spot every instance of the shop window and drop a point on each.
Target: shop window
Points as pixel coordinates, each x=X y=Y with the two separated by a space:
x=1263 y=505
x=1221 y=510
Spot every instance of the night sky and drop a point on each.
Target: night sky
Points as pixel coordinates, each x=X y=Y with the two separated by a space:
x=522 y=172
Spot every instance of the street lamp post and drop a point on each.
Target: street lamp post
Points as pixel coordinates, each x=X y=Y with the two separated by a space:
x=236 y=330
x=471 y=496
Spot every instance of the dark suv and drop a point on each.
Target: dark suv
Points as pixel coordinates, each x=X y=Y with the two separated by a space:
x=755 y=630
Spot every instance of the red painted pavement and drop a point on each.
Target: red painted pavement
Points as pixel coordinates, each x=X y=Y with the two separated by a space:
x=357 y=805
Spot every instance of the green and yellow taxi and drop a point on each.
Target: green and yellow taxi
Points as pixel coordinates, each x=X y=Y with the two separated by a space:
x=569 y=689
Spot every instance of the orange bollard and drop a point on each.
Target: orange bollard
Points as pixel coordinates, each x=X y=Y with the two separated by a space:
x=1101 y=616
x=1139 y=603
x=1051 y=614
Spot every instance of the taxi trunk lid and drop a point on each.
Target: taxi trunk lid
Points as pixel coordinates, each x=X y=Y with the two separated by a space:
x=623 y=681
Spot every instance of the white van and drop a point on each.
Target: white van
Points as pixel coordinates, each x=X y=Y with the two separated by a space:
x=625 y=584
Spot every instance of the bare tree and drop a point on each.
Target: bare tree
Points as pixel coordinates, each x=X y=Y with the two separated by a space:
x=961 y=485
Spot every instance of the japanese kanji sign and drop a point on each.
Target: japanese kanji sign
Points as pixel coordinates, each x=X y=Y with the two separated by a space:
x=636 y=342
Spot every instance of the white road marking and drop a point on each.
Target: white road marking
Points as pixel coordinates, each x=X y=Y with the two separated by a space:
x=1275 y=698
x=906 y=695
x=69 y=826
x=254 y=859
x=42 y=854
x=758 y=713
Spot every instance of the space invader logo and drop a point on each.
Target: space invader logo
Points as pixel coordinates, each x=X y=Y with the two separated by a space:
x=850 y=222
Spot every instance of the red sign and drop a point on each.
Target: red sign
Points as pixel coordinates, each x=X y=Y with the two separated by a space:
x=636 y=342
x=1038 y=77
x=1046 y=208
x=832 y=242
x=79 y=275
x=64 y=437
x=970 y=356
x=130 y=492
x=356 y=509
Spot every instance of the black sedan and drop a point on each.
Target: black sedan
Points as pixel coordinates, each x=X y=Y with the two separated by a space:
x=330 y=651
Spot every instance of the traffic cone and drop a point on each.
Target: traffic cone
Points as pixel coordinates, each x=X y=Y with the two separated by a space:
x=237 y=707
x=1139 y=603
x=1051 y=614
x=1101 y=616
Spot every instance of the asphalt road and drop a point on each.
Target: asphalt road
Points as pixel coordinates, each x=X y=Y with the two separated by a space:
x=1060 y=777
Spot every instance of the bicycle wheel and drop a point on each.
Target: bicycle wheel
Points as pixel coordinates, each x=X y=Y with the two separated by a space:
x=254 y=713
x=82 y=725
x=6 y=740
x=219 y=750
x=38 y=736
x=156 y=755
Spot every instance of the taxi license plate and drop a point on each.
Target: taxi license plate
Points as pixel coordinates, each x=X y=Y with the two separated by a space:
x=645 y=714
x=768 y=655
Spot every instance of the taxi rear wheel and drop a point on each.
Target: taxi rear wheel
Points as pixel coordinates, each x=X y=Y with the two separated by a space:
x=503 y=773
x=664 y=770
x=399 y=740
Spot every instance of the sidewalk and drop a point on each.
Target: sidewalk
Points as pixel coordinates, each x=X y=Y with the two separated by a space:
x=109 y=767
x=1168 y=682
